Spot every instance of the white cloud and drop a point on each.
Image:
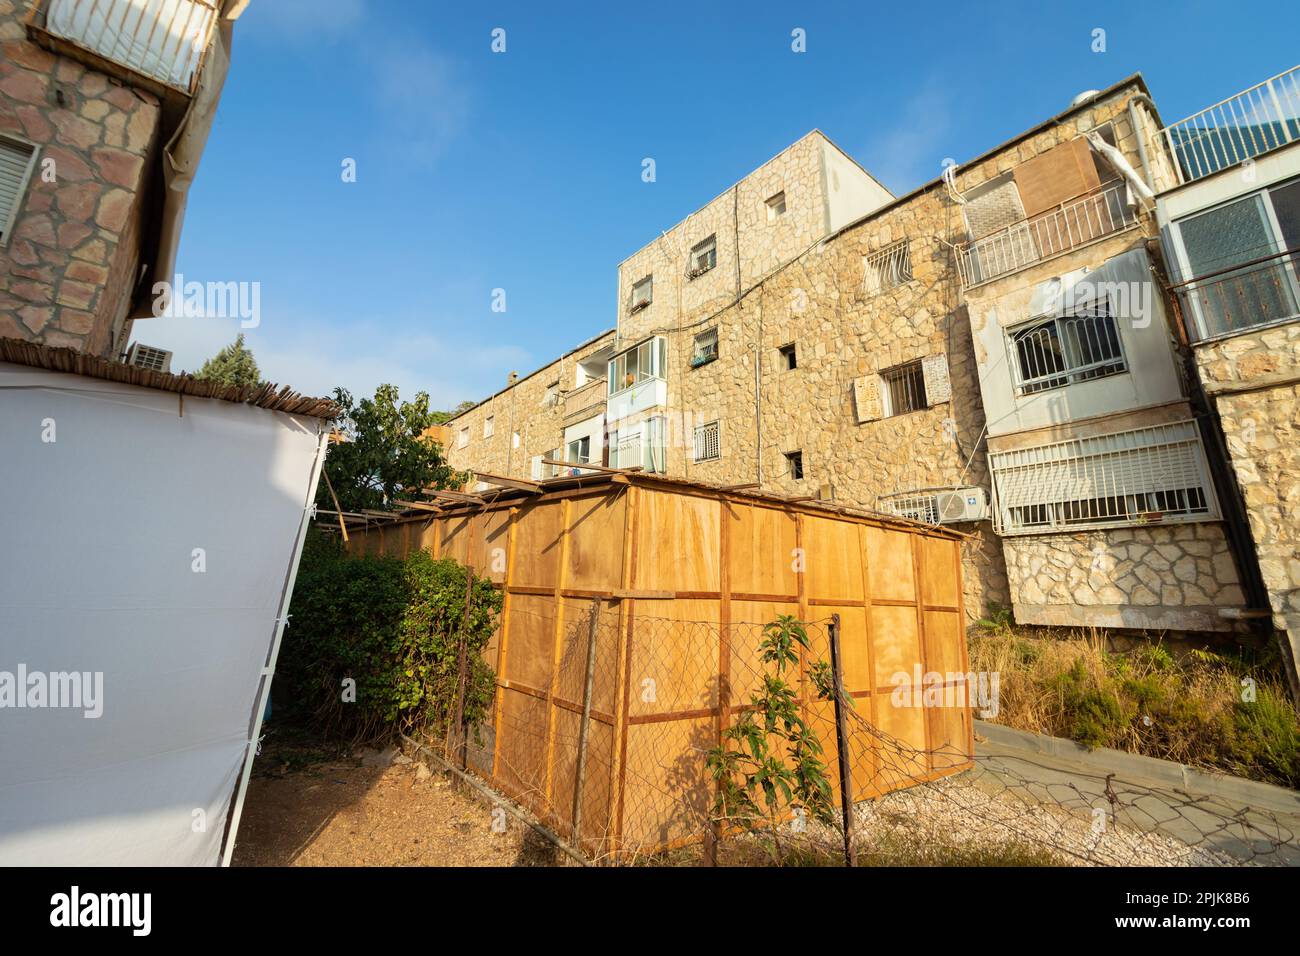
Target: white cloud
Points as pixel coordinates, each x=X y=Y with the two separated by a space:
x=912 y=152
x=423 y=104
x=308 y=19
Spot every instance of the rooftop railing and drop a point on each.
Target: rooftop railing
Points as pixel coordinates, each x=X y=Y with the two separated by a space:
x=1263 y=118
x=162 y=41
x=1030 y=241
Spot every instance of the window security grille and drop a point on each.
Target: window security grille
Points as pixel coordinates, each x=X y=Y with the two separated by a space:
x=1141 y=476
x=704 y=257
x=919 y=507
x=706 y=347
x=890 y=267
x=1067 y=349
x=706 y=442
x=904 y=389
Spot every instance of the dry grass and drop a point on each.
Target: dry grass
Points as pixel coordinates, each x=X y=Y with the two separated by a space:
x=1193 y=708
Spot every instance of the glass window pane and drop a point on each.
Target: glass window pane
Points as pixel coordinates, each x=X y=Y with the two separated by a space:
x=1227 y=236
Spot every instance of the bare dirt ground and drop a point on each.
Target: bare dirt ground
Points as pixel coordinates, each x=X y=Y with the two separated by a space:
x=305 y=811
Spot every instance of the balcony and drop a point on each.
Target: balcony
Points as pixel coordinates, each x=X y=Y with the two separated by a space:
x=584 y=401
x=1251 y=295
x=158 y=45
x=1045 y=236
x=1261 y=119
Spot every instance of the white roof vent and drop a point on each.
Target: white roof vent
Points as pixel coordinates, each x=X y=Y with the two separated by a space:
x=1084 y=97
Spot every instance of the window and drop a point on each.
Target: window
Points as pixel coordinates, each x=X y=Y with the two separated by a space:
x=1141 y=476
x=645 y=361
x=789 y=358
x=704 y=256
x=1067 y=349
x=489 y=425
x=642 y=293
x=462 y=439
x=706 y=347
x=888 y=268
x=1241 y=233
x=514 y=440
x=776 y=206
x=902 y=389
x=641 y=444
x=794 y=460
x=580 y=450
x=706 y=442
x=17 y=160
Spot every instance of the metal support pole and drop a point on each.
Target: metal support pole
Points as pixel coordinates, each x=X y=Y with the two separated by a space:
x=841 y=743
x=580 y=777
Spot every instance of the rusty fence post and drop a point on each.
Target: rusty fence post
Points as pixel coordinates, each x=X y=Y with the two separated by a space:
x=580 y=777
x=843 y=757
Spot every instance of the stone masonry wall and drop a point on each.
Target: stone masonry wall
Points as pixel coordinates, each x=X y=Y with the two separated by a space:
x=521 y=409
x=1262 y=428
x=66 y=273
x=1172 y=576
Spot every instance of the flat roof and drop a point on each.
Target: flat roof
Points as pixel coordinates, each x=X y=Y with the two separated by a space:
x=72 y=362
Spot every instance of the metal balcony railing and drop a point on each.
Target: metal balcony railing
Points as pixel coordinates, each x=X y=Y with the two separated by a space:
x=1256 y=121
x=163 y=41
x=1261 y=292
x=1049 y=234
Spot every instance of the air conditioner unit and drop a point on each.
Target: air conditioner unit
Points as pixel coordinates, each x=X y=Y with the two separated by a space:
x=962 y=504
x=146 y=356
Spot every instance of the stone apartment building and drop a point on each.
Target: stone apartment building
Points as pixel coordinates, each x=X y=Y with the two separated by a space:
x=1230 y=230
x=105 y=106
x=993 y=350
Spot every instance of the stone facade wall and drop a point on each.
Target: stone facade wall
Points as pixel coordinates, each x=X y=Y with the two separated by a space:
x=1167 y=577
x=1262 y=428
x=680 y=300
x=523 y=410
x=66 y=273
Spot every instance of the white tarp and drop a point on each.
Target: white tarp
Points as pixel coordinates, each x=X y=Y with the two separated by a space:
x=151 y=548
x=163 y=39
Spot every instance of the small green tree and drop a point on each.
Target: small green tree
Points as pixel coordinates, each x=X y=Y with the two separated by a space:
x=384 y=454
x=756 y=783
x=233 y=365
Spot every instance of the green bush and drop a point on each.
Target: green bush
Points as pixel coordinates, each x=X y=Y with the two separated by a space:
x=391 y=626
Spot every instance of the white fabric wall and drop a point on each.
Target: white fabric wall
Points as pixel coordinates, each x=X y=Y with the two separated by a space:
x=96 y=574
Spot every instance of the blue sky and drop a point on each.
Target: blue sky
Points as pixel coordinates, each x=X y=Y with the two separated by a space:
x=522 y=170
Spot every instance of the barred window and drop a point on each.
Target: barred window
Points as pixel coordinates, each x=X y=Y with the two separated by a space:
x=890 y=267
x=1140 y=476
x=706 y=347
x=706 y=442
x=903 y=389
x=704 y=256
x=794 y=459
x=1067 y=349
x=642 y=293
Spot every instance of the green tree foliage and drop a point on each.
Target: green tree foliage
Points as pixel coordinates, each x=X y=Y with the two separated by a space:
x=394 y=628
x=233 y=365
x=384 y=454
x=442 y=418
x=757 y=781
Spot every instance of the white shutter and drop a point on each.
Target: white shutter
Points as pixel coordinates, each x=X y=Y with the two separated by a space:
x=16 y=162
x=938 y=389
x=866 y=398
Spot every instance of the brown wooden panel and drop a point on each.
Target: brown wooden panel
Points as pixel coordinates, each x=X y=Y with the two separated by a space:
x=532 y=640
x=762 y=550
x=944 y=635
x=902 y=753
x=1056 y=176
x=667 y=791
x=896 y=645
x=595 y=543
x=854 y=652
x=455 y=538
x=492 y=549
x=833 y=559
x=949 y=728
x=674 y=663
x=745 y=633
x=596 y=803
x=939 y=581
x=571 y=677
x=538 y=539
x=889 y=558
x=430 y=538
x=677 y=542
x=521 y=750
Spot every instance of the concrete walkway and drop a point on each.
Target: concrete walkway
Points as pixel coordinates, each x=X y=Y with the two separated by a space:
x=1251 y=821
